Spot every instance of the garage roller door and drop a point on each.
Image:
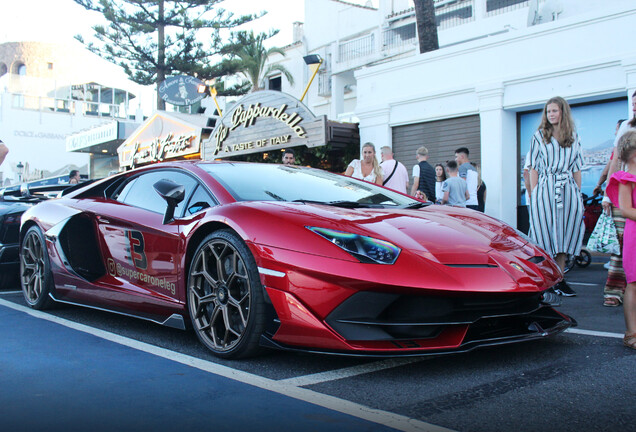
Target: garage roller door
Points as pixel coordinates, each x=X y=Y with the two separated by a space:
x=441 y=138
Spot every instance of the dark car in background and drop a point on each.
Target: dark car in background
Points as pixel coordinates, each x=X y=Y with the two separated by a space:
x=14 y=201
x=10 y=213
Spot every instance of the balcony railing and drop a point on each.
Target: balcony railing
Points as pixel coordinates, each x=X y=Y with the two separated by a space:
x=69 y=106
x=356 y=48
x=399 y=37
x=451 y=14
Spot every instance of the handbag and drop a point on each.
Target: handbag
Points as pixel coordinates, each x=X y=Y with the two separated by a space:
x=603 y=238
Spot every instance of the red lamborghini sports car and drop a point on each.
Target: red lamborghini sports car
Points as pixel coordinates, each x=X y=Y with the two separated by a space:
x=264 y=255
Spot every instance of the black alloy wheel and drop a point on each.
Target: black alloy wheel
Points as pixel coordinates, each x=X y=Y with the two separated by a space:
x=225 y=296
x=35 y=270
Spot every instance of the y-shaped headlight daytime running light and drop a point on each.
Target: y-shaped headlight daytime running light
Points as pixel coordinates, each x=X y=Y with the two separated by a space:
x=366 y=249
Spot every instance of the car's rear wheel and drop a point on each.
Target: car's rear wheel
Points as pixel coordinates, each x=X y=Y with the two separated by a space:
x=35 y=270
x=225 y=296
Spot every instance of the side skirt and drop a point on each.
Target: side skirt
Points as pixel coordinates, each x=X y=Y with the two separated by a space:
x=174 y=320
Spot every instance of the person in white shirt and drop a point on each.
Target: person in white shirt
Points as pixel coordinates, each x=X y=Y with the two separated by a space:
x=468 y=172
x=367 y=168
x=395 y=175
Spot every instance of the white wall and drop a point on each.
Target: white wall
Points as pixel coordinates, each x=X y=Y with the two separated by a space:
x=328 y=20
x=39 y=138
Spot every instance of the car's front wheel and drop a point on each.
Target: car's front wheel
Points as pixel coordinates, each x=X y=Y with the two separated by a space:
x=225 y=296
x=35 y=270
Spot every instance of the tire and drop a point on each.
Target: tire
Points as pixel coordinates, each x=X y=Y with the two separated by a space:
x=225 y=296
x=35 y=270
x=584 y=259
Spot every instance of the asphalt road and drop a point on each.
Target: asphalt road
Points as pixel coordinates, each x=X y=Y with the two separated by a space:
x=79 y=369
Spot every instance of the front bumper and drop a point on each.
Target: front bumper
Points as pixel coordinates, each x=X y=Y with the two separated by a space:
x=387 y=325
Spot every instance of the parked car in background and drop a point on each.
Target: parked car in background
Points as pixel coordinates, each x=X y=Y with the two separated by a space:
x=10 y=213
x=14 y=201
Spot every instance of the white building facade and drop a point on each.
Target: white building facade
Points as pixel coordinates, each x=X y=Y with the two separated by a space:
x=49 y=92
x=498 y=62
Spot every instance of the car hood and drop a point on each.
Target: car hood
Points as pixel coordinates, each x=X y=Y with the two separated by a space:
x=439 y=233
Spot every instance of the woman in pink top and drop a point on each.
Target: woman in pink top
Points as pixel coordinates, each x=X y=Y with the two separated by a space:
x=622 y=191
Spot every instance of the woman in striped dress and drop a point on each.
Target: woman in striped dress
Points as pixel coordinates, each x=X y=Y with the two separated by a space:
x=556 y=207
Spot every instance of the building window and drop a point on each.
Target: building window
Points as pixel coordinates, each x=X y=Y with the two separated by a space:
x=3 y=69
x=21 y=69
x=49 y=66
x=324 y=83
x=493 y=5
x=275 y=83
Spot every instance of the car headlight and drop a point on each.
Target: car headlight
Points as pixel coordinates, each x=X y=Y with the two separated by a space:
x=366 y=249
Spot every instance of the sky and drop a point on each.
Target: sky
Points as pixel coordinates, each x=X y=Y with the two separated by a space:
x=61 y=20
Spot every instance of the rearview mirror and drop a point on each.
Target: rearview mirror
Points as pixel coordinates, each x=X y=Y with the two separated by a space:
x=173 y=193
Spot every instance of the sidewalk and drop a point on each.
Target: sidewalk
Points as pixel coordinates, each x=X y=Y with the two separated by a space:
x=587 y=307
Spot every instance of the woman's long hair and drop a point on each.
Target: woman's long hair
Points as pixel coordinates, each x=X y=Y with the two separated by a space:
x=632 y=122
x=376 y=166
x=443 y=172
x=566 y=124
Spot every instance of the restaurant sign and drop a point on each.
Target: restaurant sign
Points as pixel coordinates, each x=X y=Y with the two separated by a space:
x=262 y=121
x=160 y=138
x=181 y=90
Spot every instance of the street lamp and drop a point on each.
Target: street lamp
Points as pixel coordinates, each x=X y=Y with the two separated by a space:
x=313 y=61
x=20 y=167
x=210 y=85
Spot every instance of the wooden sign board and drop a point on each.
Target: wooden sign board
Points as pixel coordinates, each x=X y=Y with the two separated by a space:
x=264 y=121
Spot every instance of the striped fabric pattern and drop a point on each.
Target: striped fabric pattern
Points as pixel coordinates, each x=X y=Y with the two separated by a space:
x=616 y=282
x=556 y=207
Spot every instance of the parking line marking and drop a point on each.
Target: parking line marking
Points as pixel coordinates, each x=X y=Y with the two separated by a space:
x=386 y=418
x=595 y=333
x=582 y=283
x=352 y=371
x=10 y=292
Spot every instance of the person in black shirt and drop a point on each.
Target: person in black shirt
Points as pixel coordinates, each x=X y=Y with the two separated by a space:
x=423 y=175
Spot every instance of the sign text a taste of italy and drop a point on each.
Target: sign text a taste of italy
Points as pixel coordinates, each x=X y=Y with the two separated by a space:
x=262 y=121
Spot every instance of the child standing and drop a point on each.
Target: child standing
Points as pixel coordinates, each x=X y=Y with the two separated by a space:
x=454 y=187
x=622 y=192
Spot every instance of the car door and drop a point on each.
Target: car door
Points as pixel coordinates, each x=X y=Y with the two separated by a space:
x=141 y=252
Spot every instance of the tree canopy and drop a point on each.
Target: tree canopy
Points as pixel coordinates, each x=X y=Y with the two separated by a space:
x=249 y=56
x=154 y=39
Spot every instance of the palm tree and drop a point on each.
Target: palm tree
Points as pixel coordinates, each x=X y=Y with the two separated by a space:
x=426 y=25
x=252 y=56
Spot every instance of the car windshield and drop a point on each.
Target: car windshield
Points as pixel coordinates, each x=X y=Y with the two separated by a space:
x=270 y=182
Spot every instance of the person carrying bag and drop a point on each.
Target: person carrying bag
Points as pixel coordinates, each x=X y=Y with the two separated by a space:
x=604 y=239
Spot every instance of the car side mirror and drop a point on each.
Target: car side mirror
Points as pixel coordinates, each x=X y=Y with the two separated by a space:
x=173 y=193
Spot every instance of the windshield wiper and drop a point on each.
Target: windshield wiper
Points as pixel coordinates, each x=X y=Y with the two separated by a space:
x=273 y=195
x=304 y=201
x=416 y=205
x=341 y=203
